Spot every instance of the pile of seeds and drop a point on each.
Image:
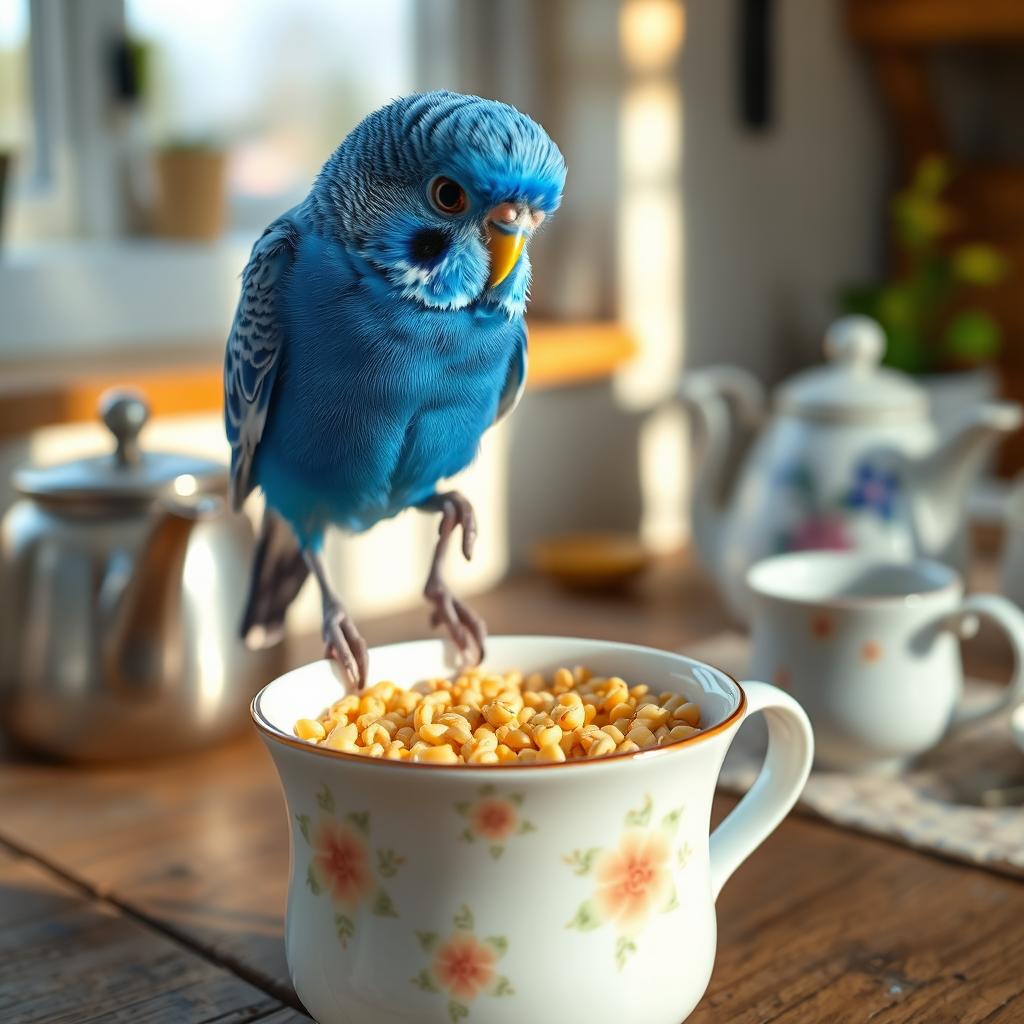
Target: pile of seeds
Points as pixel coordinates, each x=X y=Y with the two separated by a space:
x=483 y=717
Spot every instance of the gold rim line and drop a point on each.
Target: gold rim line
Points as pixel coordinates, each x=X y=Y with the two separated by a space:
x=293 y=741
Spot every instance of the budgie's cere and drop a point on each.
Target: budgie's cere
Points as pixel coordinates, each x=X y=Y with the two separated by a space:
x=379 y=333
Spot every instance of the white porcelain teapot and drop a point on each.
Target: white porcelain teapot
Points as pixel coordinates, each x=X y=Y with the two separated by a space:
x=850 y=459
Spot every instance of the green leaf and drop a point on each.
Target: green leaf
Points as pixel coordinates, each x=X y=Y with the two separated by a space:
x=388 y=862
x=303 y=820
x=496 y=851
x=526 y=826
x=623 y=948
x=464 y=919
x=503 y=987
x=383 y=905
x=642 y=817
x=361 y=820
x=517 y=799
x=499 y=942
x=487 y=789
x=325 y=798
x=932 y=175
x=345 y=927
x=467 y=836
x=586 y=918
x=972 y=337
x=424 y=981
x=673 y=902
x=582 y=862
x=979 y=264
x=671 y=820
x=456 y=1011
x=683 y=856
x=427 y=940
x=312 y=882
x=463 y=807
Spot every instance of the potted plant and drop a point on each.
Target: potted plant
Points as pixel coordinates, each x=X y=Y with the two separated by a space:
x=932 y=328
x=190 y=190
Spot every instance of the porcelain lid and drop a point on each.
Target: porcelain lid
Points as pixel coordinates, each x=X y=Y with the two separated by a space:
x=128 y=474
x=853 y=386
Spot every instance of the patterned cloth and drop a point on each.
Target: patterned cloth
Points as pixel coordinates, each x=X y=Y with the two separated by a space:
x=917 y=808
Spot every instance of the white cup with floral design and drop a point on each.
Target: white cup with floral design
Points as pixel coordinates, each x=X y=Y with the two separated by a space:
x=869 y=647
x=576 y=892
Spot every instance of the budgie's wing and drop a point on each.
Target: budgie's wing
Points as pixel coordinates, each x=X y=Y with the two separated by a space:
x=254 y=350
x=515 y=382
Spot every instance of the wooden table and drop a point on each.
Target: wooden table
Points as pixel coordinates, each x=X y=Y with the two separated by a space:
x=156 y=893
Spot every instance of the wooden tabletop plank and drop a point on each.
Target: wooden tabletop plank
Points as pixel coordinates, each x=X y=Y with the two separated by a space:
x=66 y=958
x=816 y=927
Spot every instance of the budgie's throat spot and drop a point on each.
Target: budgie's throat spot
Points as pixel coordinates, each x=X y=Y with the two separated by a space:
x=428 y=244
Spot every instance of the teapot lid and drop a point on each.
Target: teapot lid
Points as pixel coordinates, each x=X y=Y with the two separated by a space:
x=853 y=387
x=128 y=474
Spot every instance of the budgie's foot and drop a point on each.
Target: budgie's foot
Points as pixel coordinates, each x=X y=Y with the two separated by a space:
x=455 y=511
x=344 y=644
x=467 y=630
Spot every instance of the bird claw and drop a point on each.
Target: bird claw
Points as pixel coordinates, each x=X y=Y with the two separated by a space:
x=346 y=646
x=467 y=630
x=456 y=511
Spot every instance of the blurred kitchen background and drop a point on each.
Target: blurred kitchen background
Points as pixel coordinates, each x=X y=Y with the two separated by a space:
x=740 y=172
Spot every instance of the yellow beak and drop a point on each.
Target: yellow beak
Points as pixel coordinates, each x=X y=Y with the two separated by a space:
x=504 y=249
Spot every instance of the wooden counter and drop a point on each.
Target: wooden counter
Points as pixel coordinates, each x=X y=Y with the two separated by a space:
x=156 y=893
x=188 y=378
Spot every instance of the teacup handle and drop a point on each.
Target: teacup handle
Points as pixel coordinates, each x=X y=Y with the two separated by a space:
x=775 y=790
x=1005 y=614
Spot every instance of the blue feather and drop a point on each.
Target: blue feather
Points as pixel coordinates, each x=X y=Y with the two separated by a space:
x=381 y=353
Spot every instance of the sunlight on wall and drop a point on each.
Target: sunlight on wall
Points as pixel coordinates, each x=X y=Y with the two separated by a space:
x=652 y=33
x=651 y=276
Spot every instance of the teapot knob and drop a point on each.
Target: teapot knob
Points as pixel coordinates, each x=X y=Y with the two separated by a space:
x=855 y=340
x=125 y=411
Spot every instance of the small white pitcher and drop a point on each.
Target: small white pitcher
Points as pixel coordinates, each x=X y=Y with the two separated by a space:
x=582 y=891
x=869 y=647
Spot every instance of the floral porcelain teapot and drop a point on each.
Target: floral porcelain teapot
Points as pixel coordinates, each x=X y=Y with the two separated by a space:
x=849 y=460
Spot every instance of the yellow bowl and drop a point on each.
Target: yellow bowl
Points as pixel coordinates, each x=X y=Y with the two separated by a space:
x=591 y=561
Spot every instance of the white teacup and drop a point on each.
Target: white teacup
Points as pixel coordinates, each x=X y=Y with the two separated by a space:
x=575 y=892
x=869 y=648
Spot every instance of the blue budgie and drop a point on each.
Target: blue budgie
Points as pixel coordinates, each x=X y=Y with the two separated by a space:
x=379 y=333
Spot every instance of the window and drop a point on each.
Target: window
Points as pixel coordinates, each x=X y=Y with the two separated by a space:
x=274 y=86
x=277 y=85
x=14 y=107
x=14 y=92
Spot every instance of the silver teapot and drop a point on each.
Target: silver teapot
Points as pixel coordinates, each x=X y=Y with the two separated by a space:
x=122 y=583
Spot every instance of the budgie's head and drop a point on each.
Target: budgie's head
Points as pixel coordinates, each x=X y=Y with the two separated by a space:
x=441 y=193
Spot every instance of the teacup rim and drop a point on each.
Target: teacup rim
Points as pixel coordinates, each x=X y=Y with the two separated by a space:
x=276 y=735
x=952 y=586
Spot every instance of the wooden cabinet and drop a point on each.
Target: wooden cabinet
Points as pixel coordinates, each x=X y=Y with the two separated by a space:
x=904 y=39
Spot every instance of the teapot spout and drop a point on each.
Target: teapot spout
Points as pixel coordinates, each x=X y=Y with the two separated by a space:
x=719 y=399
x=940 y=481
x=144 y=599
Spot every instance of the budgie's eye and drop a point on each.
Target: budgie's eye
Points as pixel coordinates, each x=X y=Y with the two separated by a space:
x=448 y=196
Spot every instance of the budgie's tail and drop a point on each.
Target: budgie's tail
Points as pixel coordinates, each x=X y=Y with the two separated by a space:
x=278 y=572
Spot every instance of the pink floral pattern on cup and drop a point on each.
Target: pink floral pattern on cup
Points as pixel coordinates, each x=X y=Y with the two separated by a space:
x=345 y=867
x=493 y=819
x=462 y=966
x=633 y=880
x=341 y=861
